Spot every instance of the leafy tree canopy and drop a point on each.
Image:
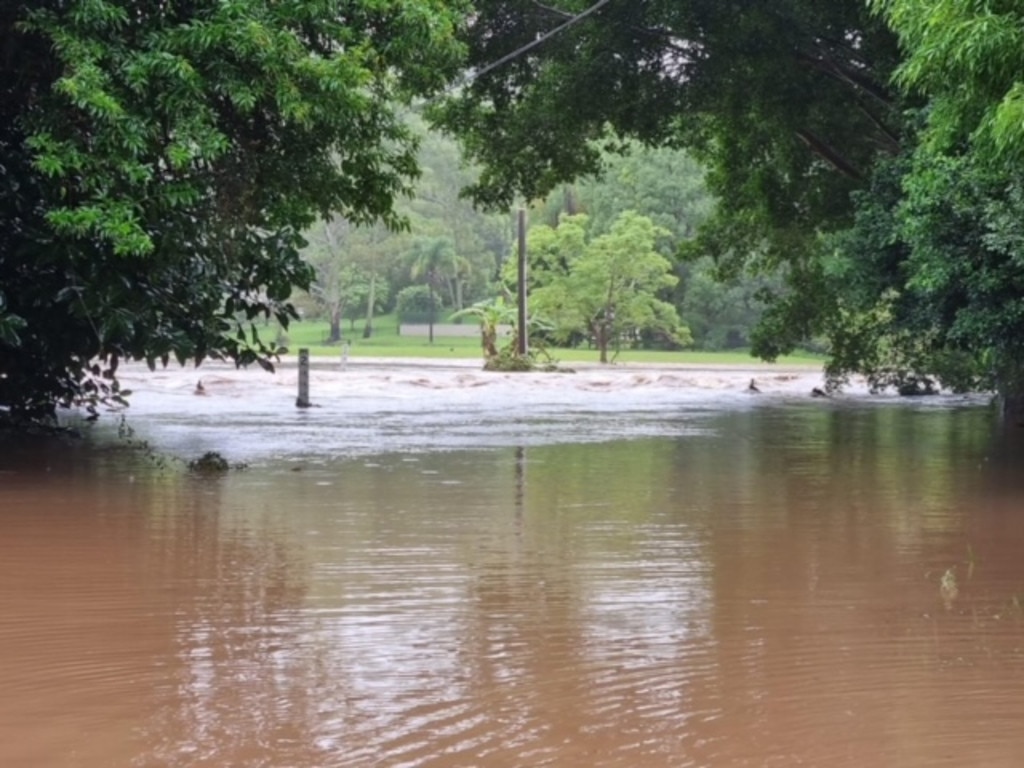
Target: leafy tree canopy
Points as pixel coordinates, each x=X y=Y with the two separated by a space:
x=967 y=56
x=872 y=148
x=930 y=280
x=159 y=160
x=347 y=262
x=788 y=105
x=606 y=287
x=787 y=102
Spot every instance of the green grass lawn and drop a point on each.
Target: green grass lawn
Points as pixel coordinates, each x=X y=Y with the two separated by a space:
x=387 y=343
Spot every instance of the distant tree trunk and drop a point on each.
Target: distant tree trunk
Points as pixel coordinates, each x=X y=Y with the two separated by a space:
x=458 y=294
x=371 y=299
x=430 y=330
x=450 y=284
x=335 y=334
x=599 y=331
x=571 y=198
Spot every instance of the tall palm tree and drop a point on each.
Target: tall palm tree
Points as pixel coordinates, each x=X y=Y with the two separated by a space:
x=430 y=258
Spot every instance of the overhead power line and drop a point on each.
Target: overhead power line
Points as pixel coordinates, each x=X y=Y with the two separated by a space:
x=534 y=43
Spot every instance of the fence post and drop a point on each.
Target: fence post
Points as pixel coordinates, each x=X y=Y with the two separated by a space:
x=303 y=399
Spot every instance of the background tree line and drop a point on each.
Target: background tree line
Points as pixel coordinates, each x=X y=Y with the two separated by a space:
x=161 y=162
x=868 y=150
x=454 y=255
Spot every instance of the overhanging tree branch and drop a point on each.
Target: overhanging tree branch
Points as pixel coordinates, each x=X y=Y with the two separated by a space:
x=828 y=154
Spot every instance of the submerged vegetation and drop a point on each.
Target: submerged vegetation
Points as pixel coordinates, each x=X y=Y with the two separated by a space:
x=213 y=463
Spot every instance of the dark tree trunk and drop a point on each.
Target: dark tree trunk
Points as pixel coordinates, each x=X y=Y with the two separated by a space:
x=430 y=331
x=335 y=334
x=600 y=333
x=371 y=300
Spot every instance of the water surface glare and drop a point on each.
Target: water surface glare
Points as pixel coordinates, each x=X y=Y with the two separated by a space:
x=783 y=586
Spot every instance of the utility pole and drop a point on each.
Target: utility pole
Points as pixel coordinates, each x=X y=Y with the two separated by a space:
x=522 y=336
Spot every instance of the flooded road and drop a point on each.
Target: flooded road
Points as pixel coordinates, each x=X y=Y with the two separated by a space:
x=735 y=583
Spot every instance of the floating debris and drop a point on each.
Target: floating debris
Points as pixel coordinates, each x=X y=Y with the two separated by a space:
x=948 y=588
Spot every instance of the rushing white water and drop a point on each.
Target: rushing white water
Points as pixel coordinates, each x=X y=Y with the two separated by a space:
x=381 y=406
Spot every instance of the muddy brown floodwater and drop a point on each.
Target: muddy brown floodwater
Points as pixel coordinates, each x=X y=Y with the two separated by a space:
x=786 y=584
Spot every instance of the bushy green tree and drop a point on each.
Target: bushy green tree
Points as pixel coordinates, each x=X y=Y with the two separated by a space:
x=430 y=260
x=417 y=304
x=339 y=281
x=605 y=287
x=667 y=185
x=929 y=283
x=159 y=161
x=945 y=235
x=967 y=58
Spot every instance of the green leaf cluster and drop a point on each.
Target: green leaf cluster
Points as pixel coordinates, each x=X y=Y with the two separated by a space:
x=160 y=160
x=967 y=57
x=605 y=287
x=869 y=152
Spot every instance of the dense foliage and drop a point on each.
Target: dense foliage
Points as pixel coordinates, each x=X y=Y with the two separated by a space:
x=604 y=288
x=786 y=101
x=160 y=159
x=663 y=184
x=958 y=211
x=361 y=268
x=668 y=186
x=787 y=104
x=160 y=162
x=868 y=149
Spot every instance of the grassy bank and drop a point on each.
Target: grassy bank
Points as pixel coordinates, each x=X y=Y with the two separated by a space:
x=387 y=343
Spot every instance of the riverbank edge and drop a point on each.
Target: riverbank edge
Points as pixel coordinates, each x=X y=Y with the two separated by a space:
x=320 y=363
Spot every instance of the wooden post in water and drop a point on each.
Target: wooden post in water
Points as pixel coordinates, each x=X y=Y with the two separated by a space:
x=302 y=401
x=522 y=336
